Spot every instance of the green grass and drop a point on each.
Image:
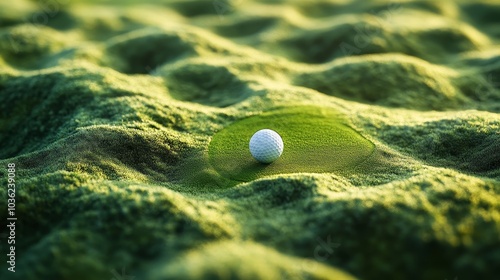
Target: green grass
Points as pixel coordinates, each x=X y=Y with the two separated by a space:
x=316 y=140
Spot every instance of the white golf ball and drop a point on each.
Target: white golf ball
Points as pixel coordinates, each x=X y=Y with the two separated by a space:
x=266 y=145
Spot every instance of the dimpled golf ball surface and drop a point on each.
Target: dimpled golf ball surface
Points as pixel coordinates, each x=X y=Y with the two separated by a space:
x=266 y=145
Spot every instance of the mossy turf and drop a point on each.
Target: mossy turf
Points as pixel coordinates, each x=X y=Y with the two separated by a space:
x=108 y=112
x=316 y=140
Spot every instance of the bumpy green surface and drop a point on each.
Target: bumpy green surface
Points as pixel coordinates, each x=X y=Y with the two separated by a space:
x=316 y=140
x=108 y=111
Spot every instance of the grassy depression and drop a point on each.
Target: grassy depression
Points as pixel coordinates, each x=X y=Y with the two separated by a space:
x=316 y=140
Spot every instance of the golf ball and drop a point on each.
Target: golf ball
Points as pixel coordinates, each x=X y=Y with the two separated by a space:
x=266 y=145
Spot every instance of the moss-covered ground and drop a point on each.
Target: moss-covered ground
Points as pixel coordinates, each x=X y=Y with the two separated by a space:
x=116 y=115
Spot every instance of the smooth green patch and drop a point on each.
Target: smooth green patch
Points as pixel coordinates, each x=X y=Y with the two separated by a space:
x=316 y=140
